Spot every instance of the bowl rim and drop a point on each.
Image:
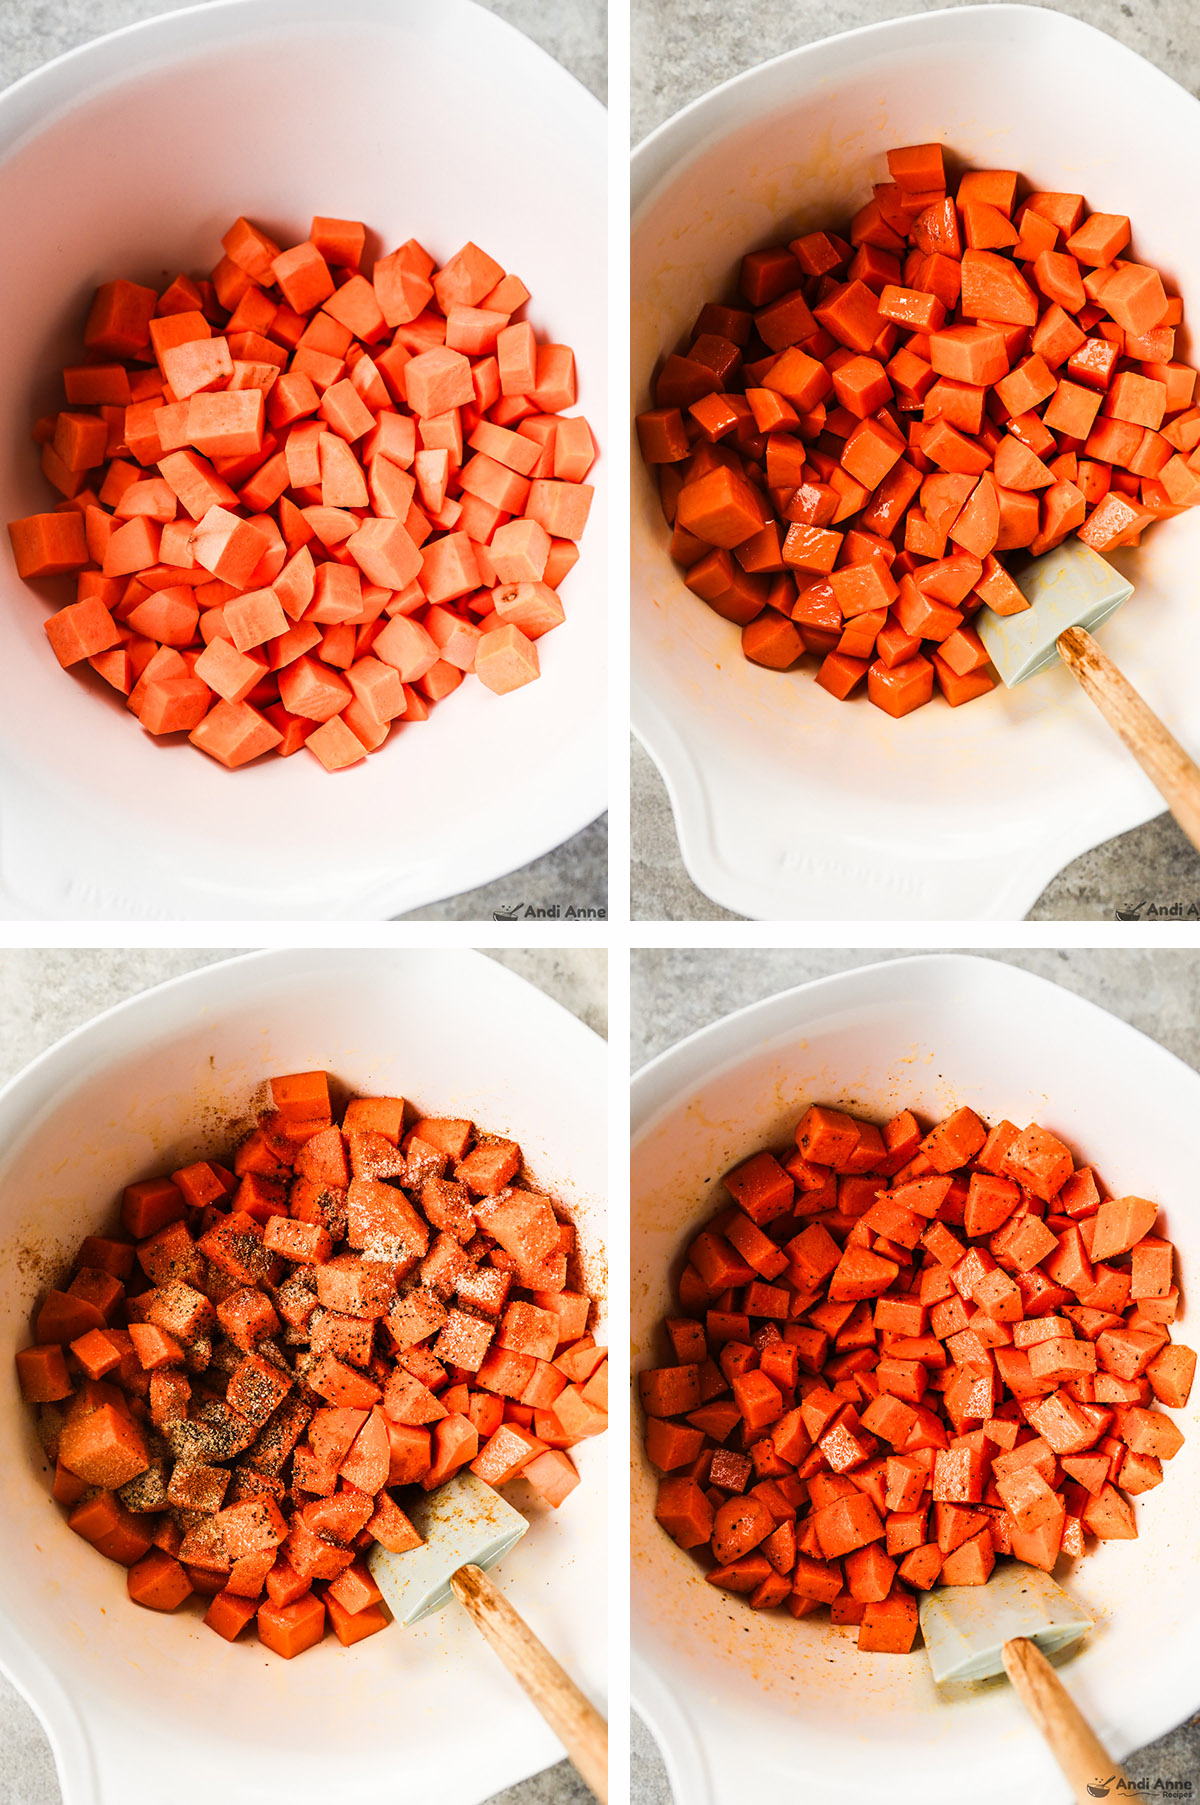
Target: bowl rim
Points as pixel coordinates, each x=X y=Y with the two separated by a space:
x=293 y=12
x=651 y=150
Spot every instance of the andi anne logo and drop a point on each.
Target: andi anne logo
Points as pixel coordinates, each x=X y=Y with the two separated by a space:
x=1152 y=911
x=1119 y=1786
x=551 y=912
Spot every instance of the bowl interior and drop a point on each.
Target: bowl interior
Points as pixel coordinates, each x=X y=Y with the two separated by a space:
x=132 y=157
x=955 y=806
x=157 y=1084
x=795 y=1697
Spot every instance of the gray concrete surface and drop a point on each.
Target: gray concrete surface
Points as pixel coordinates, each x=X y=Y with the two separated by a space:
x=575 y=32
x=675 y=991
x=573 y=876
x=679 y=50
x=44 y=994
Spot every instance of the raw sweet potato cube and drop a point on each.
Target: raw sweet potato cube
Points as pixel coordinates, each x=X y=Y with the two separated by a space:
x=1121 y=1223
x=505 y=1454
x=552 y=1475
x=301 y=1096
x=289 y=1629
x=43 y=1373
x=391 y=1528
x=103 y=1446
x=489 y=1167
x=356 y=1287
x=846 y=1524
x=112 y=1530
x=576 y=1416
x=1171 y=1373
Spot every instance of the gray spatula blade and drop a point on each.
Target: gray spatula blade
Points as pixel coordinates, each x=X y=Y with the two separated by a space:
x=464 y=1523
x=965 y=1627
x=1072 y=586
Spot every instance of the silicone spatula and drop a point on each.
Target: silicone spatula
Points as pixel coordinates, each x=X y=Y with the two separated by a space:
x=1071 y=590
x=1009 y=1626
x=468 y=1527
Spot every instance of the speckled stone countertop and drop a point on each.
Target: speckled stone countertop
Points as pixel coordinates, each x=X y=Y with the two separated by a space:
x=681 y=50
x=44 y=995
x=575 y=32
x=675 y=991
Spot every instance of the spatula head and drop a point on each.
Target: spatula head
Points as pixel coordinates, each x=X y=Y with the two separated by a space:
x=1072 y=586
x=965 y=1627
x=464 y=1523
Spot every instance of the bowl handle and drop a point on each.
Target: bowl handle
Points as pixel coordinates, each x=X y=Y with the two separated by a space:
x=797 y=869
x=55 y=864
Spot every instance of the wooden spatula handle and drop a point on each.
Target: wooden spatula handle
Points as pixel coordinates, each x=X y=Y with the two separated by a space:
x=573 y=1718
x=1174 y=775
x=1073 y=1743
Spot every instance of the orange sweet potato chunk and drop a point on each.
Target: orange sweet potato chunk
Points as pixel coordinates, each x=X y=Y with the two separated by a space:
x=948 y=368
x=933 y=1375
x=278 y=1339
x=302 y=467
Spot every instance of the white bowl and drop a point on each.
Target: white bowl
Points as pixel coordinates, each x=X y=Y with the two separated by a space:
x=752 y=1704
x=139 y=1707
x=131 y=156
x=789 y=803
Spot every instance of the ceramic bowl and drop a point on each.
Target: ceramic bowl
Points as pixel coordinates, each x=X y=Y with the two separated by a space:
x=141 y=1707
x=755 y=1704
x=788 y=803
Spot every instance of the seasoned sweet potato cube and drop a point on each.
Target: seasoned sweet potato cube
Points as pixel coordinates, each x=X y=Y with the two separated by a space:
x=102 y=1446
x=464 y=1340
x=489 y=1167
x=356 y=1287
